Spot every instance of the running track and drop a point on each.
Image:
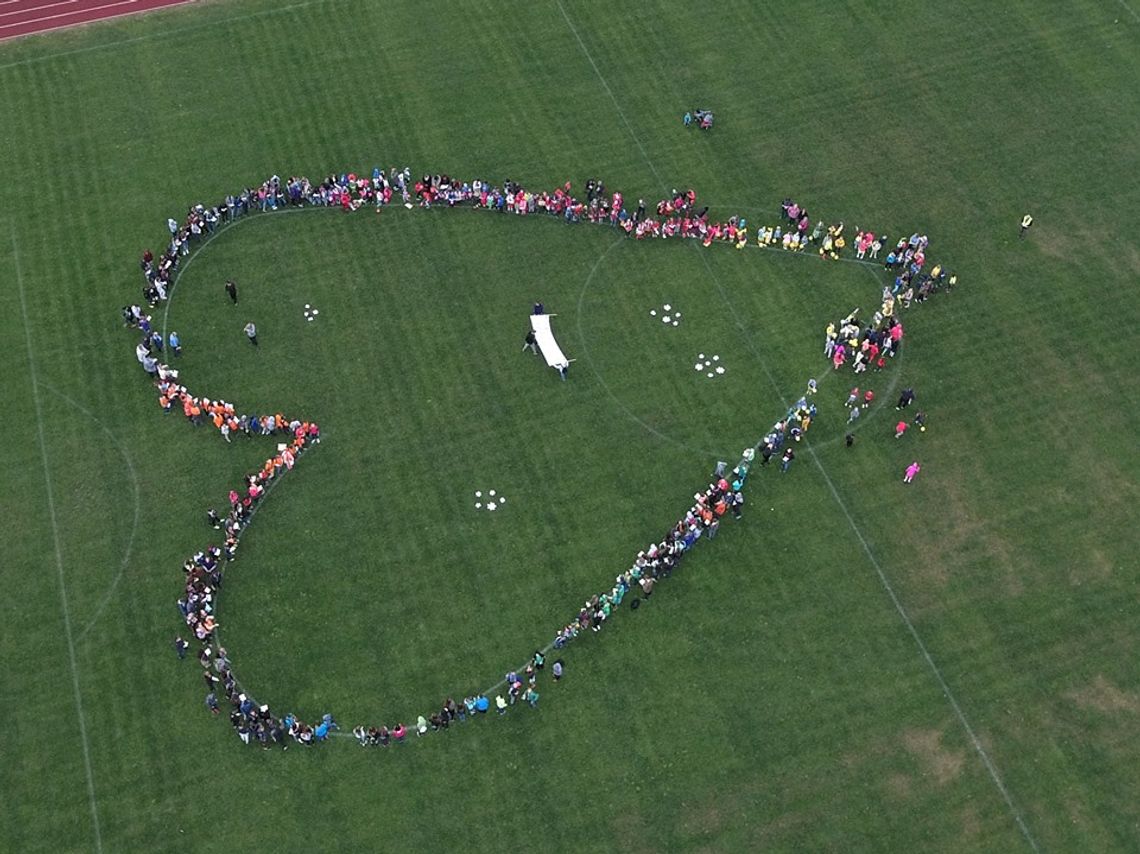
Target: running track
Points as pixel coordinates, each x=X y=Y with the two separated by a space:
x=25 y=17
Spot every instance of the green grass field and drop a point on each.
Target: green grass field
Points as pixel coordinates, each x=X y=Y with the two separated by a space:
x=856 y=666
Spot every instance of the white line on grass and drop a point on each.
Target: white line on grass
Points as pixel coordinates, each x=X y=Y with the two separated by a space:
x=1129 y=9
x=990 y=767
x=926 y=655
x=106 y=600
x=609 y=92
x=58 y=552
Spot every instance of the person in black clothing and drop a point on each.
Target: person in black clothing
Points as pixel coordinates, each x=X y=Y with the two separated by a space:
x=231 y=289
x=530 y=341
x=906 y=398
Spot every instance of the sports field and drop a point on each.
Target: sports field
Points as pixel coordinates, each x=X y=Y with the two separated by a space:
x=857 y=664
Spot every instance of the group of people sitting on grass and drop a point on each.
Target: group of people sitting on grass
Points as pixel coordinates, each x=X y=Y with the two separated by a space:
x=661 y=558
x=676 y=215
x=204 y=571
x=702 y=119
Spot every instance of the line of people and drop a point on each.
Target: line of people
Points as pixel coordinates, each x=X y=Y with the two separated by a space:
x=677 y=215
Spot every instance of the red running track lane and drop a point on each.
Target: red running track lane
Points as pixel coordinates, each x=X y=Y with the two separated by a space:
x=25 y=17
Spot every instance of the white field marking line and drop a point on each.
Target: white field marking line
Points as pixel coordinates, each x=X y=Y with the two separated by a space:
x=609 y=92
x=851 y=521
x=164 y=34
x=90 y=777
x=990 y=767
x=1129 y=9
x=134 y=523
x=59 y=15
x=40 y=8
x=934 y=669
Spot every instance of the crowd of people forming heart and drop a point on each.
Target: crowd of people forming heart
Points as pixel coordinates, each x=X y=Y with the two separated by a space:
x=849 y=345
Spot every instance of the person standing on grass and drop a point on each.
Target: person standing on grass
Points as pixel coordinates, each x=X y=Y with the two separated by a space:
x=906 y=398
x=556 y=669
x=231 y=290
x=1026 y=222
x=500 y=704
x=180 y=647
x=251 y=333
x=911 y=470
x=789 y=455
x=854 y=416
x=530 y=341
x=531 y=696
x=212 y=703
x=713 y=526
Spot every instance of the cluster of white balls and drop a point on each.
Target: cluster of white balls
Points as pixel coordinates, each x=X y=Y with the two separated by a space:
x=703 y=364
x=493 y=500
x=668 y=316
x=311 y=313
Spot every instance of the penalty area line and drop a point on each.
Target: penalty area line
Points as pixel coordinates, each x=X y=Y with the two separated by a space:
x=54 y=521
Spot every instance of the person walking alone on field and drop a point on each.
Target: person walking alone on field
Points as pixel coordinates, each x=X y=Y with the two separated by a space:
x=251 y=333
x=1026 y=222
x=231 y=289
